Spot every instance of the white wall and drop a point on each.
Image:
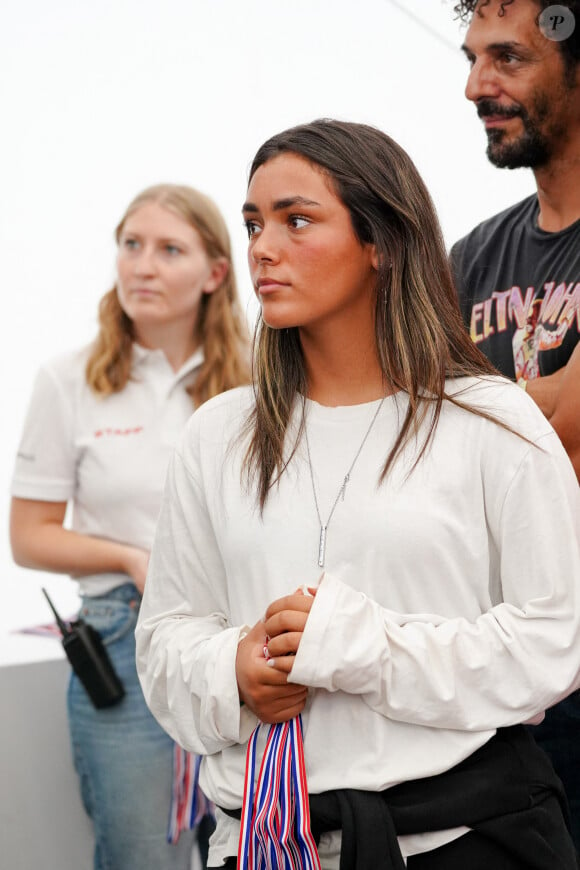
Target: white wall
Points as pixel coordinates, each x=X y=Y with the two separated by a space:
x=100 y=99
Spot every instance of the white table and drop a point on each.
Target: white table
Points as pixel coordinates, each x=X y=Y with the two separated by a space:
x=43 y=824
x=42 y=820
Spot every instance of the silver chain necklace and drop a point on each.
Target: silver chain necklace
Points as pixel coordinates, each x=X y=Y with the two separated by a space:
x=341 y=491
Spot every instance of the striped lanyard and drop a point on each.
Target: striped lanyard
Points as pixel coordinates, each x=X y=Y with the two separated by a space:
x=188 y=803
x=275 y=827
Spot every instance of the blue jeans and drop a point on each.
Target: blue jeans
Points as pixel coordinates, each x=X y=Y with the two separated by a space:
x=559 y=736
x=123 y=758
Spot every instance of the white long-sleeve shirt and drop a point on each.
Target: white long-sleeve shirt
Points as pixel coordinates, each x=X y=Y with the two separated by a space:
x=449 y=604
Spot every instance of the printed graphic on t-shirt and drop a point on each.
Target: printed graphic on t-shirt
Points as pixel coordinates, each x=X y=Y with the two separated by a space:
x=539 y=321
x=534 y=337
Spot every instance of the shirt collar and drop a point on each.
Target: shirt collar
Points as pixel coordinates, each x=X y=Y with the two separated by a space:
x=143 y=355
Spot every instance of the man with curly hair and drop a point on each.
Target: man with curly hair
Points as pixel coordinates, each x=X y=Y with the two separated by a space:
x=522 y=266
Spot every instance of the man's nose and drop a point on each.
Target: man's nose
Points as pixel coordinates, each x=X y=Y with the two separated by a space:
x=482 y=82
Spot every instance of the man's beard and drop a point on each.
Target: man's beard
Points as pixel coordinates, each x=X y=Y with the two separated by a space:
x=532 y=148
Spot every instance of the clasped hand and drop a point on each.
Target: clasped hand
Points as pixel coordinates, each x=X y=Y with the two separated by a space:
x=263 y=683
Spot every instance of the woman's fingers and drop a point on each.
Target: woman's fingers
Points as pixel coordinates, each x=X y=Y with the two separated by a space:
x=285 y=644
x=284 y=715
x=278 y=703
x=296 y=602
x=265 y=689
x=281 y=664
x=284 y=708
x=286 y=620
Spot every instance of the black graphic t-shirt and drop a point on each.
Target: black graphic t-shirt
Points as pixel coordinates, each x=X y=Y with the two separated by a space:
x=519 y=291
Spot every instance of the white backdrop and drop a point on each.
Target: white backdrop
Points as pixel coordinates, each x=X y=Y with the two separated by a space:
x=99 y=100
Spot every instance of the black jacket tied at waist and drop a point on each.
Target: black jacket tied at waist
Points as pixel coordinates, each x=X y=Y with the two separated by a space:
x=507 y=791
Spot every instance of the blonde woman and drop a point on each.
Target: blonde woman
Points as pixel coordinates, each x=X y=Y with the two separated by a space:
x=99 y=432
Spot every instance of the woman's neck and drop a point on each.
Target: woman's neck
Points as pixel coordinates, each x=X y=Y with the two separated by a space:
x=175 y=340
x=343 y=369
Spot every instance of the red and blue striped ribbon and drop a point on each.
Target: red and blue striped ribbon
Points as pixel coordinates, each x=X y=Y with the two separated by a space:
x=275 y=827
x=188 y=803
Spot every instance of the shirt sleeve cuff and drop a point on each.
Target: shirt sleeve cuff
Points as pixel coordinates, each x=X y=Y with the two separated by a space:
x=45 y=490
x=323 y=657
x=234 y=722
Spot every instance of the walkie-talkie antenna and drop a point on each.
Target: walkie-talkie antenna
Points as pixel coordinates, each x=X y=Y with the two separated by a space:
x=61 y=624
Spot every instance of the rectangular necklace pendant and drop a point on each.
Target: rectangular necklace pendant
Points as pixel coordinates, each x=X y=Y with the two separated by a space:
x=322 y=547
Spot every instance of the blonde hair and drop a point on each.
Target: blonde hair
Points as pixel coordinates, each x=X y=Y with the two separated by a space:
x=220 y=327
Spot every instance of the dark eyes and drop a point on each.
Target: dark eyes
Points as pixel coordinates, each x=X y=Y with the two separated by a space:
x=297 y=221
x=506 y=57
x=252 y=228
x=294 y=221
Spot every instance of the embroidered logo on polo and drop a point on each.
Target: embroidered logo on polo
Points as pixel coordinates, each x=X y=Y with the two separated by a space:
x=109 y=432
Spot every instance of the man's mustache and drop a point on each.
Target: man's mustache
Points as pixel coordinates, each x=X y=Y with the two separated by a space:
x=486 y=108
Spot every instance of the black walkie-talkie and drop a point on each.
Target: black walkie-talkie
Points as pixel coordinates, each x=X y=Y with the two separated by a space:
x=89 y=660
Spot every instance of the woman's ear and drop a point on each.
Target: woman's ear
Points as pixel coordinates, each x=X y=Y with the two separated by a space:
x=219 y=269
x=375 y=261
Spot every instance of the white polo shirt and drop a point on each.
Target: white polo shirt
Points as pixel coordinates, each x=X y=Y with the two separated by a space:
x=107 y=456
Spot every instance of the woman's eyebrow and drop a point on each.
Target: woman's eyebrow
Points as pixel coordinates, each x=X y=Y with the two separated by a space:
x=281 y=204
x=291 y=201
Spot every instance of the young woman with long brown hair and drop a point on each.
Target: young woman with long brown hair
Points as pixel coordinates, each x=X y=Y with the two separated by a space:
x=99 y=432
x=427 y=505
